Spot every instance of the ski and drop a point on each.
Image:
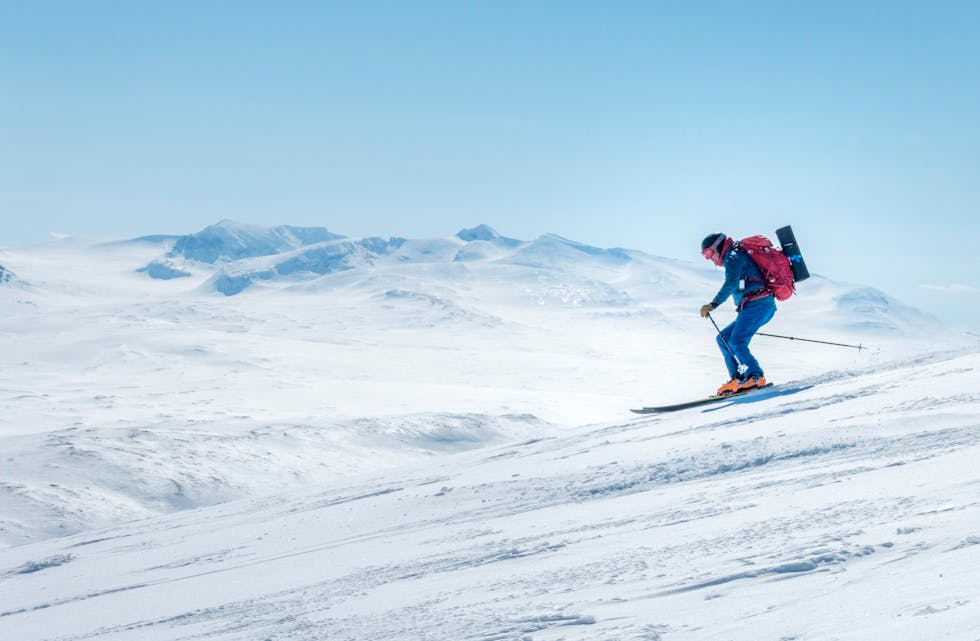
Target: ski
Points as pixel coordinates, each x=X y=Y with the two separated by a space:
x=703 y=401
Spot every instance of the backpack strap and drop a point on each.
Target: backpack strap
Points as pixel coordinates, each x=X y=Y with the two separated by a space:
x=754 y=296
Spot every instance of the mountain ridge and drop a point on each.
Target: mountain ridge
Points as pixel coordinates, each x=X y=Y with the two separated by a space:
x=240 y=258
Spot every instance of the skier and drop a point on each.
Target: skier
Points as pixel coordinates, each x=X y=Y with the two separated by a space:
x=756 y=307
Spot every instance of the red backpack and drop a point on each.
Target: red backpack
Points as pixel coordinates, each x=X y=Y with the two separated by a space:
x=773 y=264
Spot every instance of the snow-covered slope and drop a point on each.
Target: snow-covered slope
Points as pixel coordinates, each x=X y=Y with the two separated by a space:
x=355 y=430
x=104 y=369
x=841 y=506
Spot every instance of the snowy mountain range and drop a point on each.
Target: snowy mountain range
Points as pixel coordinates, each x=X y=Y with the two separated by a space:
x=284 y=433
x=246 y=255
x=236 y=257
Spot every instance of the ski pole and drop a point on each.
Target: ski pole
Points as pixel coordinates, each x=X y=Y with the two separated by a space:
x=809 y=340
x=725 y=343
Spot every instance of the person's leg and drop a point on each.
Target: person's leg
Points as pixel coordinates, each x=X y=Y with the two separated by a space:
x=723 y=336
x=752 y=317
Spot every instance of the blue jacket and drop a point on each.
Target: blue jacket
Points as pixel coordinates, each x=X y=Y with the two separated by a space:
x=740 y=271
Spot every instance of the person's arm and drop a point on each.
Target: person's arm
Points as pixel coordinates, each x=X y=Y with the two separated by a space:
x=732 y=277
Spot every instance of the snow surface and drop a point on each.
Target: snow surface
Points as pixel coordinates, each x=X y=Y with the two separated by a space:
x=428 y=439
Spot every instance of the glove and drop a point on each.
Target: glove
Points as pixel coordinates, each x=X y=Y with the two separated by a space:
x=706 y=309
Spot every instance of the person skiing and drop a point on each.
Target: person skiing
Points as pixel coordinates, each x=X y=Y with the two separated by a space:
x=756 y=307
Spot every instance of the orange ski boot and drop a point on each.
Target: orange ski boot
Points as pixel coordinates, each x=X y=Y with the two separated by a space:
x=730 y=387
x=752 y=382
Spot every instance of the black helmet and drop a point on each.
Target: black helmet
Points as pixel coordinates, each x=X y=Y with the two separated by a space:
x=711 y=239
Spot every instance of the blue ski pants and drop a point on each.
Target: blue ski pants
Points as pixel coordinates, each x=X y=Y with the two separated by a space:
x=738 y=334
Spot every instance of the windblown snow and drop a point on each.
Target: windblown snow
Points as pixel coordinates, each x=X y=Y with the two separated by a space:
x=251 y=434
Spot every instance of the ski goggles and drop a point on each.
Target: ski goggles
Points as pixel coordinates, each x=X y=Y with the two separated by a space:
x=710 y=252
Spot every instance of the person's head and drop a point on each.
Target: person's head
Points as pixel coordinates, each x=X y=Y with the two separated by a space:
x=713 y=247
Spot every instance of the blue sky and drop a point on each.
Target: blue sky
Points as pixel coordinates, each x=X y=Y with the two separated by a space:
x=636 y=124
